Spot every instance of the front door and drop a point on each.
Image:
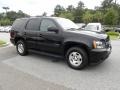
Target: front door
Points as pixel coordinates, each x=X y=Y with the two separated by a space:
x=49 y=41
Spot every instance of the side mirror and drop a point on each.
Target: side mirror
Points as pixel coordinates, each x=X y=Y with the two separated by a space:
x=97 y=27
x=53 y=29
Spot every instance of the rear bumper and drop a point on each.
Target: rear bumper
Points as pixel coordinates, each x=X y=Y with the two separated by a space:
x=99 y=55
x=12 y=41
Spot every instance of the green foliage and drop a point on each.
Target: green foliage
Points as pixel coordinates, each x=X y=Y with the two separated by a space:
x=107 y=4
x=9 y=17
x=98 y=16
x=2 y=42
x=4 y=22
x=70 y=8
x=113 y=33
x=111 y=17
x=67 y=15
x=78 y=12
x=108 y=13
x=12 y=15
x=87 y=17
x=58 y=10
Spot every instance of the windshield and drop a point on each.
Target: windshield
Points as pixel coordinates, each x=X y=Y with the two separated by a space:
x=92 y=27
x=67 y=24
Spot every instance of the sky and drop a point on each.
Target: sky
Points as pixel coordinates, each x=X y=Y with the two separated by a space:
x=37 y=7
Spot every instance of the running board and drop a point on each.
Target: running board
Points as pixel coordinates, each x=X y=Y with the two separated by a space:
x=46 y=53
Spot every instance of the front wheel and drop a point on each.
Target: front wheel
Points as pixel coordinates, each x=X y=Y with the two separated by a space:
x=77 y=58
x=21 y=48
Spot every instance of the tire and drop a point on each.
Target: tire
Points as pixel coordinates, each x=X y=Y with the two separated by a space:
x=21 y=48
x=76 y=58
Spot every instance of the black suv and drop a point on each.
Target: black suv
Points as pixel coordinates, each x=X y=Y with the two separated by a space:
x=60 y=36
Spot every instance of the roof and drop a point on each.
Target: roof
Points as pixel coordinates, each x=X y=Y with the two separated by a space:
x=40 y=17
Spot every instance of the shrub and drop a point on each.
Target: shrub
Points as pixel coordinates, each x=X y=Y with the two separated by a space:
x=113 y=33
x=2 y=42
x=4 y=22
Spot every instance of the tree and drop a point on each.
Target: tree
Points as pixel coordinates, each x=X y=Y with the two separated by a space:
x=98 y=16
x=87 y=17
x=58 y=10
x=67 y=15
x=4 y=22
x=81 y=14
x=11 y=16
x=1 y=15
x=20 y=14
x=6 y=9
x=111 y=17
x=107 y=4
x=80 y=5
x=70 y=8
x=44 y=14
x=78 y=12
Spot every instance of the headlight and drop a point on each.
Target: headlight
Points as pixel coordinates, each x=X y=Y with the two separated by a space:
x=98 y=44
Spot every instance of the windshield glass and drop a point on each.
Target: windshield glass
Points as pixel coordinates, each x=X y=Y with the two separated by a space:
x=67 y=24
x=92 y=27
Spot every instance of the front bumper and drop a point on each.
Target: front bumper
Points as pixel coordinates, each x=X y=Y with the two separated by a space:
x=99 y=55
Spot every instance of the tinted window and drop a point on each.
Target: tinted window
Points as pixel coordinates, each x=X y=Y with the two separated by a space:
x=46 y=24
x=33 y=24
x=19 y=24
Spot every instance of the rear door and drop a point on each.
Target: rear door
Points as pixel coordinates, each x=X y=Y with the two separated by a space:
x=31 y=32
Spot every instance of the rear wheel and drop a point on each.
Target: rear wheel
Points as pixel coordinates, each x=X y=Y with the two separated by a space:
x=77 y=58
x=21 y=48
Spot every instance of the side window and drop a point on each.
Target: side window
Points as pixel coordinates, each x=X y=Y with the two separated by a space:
x=33 y=24
x=19 y=23
x=45 y=24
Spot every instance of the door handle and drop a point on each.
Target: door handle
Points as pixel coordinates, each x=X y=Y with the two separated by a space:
x=40 y=35
x=25 y=33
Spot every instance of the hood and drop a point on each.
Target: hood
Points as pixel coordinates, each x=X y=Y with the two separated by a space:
x=100 y=35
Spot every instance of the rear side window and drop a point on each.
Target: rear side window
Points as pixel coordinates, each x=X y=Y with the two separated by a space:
x=33 y=24
x=19 y=24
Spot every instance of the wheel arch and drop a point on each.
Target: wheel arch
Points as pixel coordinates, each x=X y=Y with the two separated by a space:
x=69 y=45
x=18 y=38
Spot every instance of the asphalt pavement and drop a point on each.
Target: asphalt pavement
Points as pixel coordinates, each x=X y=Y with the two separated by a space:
x=40 y=72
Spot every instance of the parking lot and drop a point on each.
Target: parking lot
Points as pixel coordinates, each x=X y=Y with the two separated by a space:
x=40 y=72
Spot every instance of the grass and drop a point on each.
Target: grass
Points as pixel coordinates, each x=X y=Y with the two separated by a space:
x=113 y=35
x=2 y=42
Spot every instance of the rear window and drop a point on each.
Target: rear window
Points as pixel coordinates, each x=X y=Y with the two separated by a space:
x=19 y=24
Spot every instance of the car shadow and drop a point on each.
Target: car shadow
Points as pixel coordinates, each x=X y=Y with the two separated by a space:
x=60 y=60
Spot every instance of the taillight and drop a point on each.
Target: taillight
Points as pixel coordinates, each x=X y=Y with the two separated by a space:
x=12 y=34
